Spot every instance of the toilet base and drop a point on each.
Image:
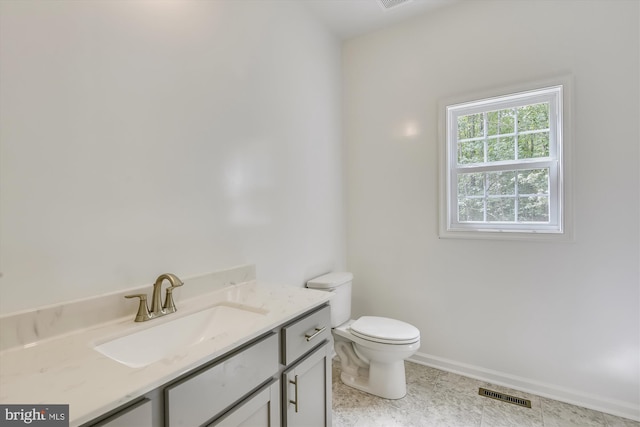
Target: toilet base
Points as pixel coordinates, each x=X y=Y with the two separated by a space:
x=389 y=386
x=386 y=380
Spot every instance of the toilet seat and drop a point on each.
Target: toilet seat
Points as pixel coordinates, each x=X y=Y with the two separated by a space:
x=384 y=330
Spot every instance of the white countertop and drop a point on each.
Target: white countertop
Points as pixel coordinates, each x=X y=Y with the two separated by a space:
x=68 y=370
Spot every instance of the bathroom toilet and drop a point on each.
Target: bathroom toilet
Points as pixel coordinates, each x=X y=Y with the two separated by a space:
x=372 y=349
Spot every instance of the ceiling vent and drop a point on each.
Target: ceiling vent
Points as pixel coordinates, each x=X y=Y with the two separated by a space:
x=390 y=4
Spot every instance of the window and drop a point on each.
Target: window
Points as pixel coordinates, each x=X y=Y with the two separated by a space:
x=503 y=164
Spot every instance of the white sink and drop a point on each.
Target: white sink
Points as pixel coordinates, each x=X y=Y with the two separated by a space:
x=156 y=342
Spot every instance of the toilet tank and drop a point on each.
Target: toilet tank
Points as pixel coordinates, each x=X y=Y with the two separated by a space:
x=340 y=284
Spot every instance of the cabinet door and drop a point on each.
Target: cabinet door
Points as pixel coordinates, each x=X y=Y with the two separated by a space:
x=262 y=409
x=306 y=390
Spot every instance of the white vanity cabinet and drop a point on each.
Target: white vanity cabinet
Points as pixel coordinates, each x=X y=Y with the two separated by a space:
x=306 y=378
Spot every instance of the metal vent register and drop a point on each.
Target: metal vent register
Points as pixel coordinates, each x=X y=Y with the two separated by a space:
x=504 y=397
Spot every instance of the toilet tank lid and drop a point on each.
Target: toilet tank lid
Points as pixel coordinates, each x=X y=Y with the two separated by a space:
x=330 y=281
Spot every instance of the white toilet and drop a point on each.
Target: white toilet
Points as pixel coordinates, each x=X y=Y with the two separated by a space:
x=372 y=350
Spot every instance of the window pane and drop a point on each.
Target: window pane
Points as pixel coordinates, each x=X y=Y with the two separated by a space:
x=471 y=126
x=471 y=184
x=501 y=149
x=533 y=182
x=500 y=122
x=501 y=156
x=501 y=183
x=470 y=152
x=533 y=117
x=470 y=209
x=533 y=209
x=501 y=209
x=533 y=145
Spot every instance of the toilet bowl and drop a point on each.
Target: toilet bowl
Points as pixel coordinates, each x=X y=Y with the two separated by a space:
x=372 y=349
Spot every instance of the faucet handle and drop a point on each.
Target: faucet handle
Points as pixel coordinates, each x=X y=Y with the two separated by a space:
x=143 y=309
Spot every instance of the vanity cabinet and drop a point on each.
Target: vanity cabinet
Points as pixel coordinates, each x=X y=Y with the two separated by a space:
x=282 y=378
x=306 y=378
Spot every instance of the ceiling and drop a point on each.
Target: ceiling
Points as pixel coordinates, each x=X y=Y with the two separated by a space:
x=352 y=18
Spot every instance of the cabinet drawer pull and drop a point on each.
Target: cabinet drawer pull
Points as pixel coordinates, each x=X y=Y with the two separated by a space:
x=317 y=332
x=295 y=383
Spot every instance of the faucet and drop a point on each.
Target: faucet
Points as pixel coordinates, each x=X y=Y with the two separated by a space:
x=157 y=308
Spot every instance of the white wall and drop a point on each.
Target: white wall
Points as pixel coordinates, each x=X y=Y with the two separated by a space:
x=561 y=319
x=139 y=137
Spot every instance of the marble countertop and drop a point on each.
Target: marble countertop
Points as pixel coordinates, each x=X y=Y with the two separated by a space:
x=68 y=370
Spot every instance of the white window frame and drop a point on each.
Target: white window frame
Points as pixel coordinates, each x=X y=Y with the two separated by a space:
x=557 y=94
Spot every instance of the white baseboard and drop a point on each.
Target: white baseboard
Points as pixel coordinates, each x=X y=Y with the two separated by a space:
x=551 y=391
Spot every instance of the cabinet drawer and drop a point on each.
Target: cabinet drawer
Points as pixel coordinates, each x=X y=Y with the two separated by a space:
x=304 y=334
x=202 y=396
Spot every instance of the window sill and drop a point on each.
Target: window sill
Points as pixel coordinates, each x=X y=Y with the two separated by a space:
x=539 y=236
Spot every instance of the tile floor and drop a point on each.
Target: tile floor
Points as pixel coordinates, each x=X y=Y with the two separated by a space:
x=441 y=399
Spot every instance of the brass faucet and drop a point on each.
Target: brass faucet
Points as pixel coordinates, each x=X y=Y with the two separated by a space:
x=157 y=308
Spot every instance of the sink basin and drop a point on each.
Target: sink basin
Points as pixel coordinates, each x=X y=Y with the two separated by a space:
x=162 y=340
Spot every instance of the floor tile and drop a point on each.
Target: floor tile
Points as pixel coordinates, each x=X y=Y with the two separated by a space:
x=560 y=414
x=454 y=409
x=502 y=414
x=613 y=421
x=420 y=374
x=437 y=398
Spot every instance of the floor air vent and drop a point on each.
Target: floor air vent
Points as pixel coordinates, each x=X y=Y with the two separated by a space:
x=505 y=397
